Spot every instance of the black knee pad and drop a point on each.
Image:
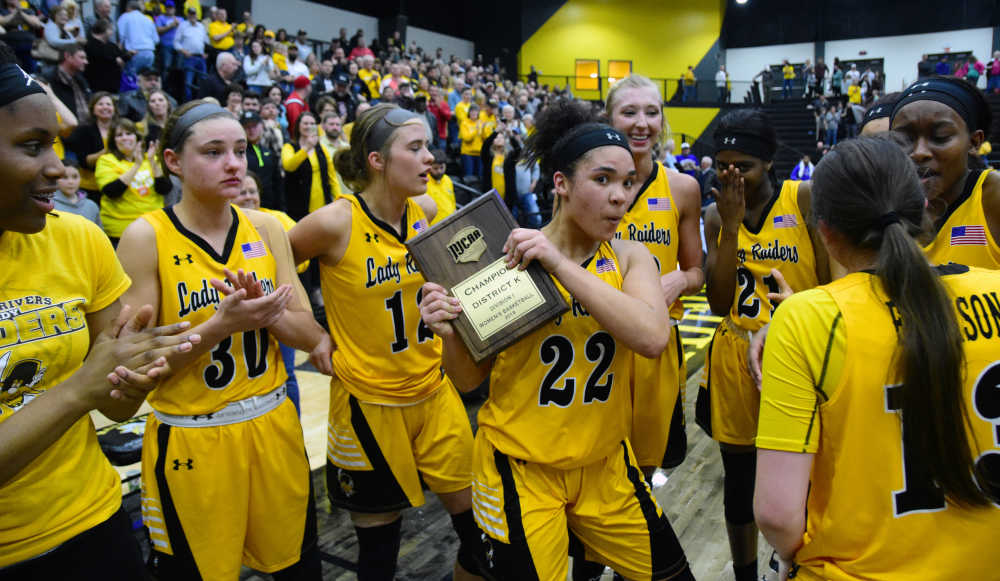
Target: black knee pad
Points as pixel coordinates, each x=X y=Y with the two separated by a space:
x=378 y=548
x=738 y=483
x=468 y=541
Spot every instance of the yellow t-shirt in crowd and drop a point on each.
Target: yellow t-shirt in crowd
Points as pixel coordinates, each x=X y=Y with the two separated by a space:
x=443 y=193
x=854 y=94
x=470 y=133
x=280 y=61
x=140 y=196
x=215 y=27
x=498 y=182
x=788 y=72
x=291 y=160
x=54 y=279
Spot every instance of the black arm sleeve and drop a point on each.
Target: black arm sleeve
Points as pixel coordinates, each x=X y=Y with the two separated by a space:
x=115 y=189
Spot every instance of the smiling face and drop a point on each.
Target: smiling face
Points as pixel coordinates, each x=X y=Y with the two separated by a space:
x=29 y=167
x=69 y=183
x=212 y=162
x=409 y=161
x=638 y=114
x=104 y=109
x=939 y=143
x=596 y=197
x=125 y=141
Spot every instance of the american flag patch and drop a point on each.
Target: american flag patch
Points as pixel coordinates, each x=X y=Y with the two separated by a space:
x=419 y=225
x=658 y=204
x=786 y=221
x=605 y=265
x=253 y=249
x=968 y=236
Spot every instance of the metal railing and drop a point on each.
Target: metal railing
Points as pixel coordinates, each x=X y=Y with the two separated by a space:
x=674 y=90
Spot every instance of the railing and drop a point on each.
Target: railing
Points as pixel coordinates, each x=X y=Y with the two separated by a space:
x=674 y=90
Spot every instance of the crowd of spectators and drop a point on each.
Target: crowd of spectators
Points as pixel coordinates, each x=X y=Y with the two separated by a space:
x=140 y=65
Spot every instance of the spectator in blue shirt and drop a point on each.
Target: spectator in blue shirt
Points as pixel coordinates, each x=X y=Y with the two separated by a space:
x=942 y=68
x=190 y=40
x=166 y=27
x=137 y=35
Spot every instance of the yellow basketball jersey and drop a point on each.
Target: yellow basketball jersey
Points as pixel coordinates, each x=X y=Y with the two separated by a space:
x=652 y=219
x=50 y=282
x=964 y=236
x=242 y=365
x=781 y=241
x=385 y=353
x=560 y=396
x=868 y=516
x=443 y=193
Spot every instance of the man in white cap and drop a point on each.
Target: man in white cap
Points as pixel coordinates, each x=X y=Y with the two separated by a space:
x=686 y=154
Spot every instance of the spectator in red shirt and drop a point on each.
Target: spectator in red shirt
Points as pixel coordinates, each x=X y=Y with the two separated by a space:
x=298 y=102
x=361 y=49
x=438 y=106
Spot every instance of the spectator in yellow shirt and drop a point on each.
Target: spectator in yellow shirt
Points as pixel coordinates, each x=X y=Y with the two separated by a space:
x=370 y=76
x=440 y=188
x=788 y=74
x=488 y=116
x=854 y=94
x=462 y=107
x=690 y=85
x=220 y=32
x=470 y=132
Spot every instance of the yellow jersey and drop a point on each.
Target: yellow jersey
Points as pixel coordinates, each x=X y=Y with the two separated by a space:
x=51 y=281
x=869 y=515
x=443 y=193
x=781 y=241
x=497 y=171
x=139 y=198
x=560 y=396
x=241 y=365
x=373 y=79
x=963 y=235
x=385 y=353
x=653 y=219
x=488 y=125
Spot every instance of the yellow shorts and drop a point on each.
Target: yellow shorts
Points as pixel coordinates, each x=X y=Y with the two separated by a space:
x=220 y=496
x=728 y=401
x=658 y=436
x=527 y=512
x=377 y=454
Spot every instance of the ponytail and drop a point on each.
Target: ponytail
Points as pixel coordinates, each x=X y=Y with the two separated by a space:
x=867 y=189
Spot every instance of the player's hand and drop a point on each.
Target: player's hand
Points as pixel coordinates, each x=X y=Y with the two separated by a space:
x=321 y=355
x=524 y=245
x=755 y=355
x=242 y=280
x=731 y=200
x=142 y=350
x=673 y=284
x=239 y=313
x=437 y=309
x=784 y=290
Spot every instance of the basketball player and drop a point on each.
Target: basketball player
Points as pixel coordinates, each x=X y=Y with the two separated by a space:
x=394 y=416
x=63 y=340
x=942 y=122
x=757 y=239
x=225 y=477
x=664 y=215
x=879 y=410
x=552 y=450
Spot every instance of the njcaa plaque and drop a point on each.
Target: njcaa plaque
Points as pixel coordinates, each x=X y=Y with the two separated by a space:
x=464 y=254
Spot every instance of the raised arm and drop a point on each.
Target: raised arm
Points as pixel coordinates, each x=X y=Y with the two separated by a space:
x=722 y=223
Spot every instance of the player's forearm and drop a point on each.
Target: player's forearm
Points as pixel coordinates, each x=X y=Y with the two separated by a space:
x=299 y=330
x=721 y=279
x=458 y=364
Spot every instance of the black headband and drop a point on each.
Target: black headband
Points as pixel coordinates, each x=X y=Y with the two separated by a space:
x=15 y=84
x=384 y=127
x=189 y=118
x=957 y=96
x=744 y=143
x=879 y=111
x=601 y=135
